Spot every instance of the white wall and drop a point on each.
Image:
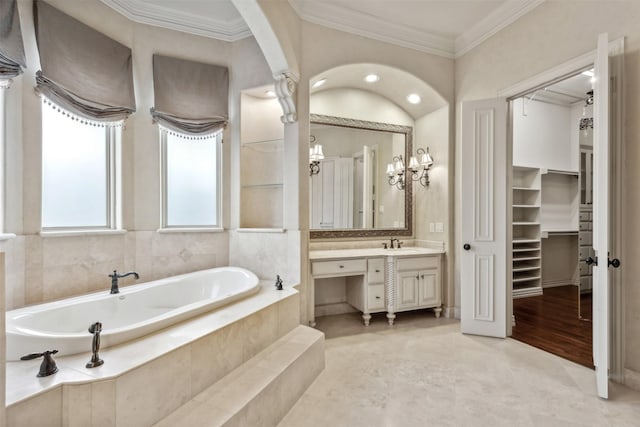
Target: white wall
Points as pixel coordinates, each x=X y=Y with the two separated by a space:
x=549 y=35
x=542 y=136
x=432 y=203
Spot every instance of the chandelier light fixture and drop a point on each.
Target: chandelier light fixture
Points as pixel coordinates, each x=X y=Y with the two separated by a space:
x=315 y=155
x=419 y=166
x=395 y=171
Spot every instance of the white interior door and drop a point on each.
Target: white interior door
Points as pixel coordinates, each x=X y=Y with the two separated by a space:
x=601 y=217
x=484 y=218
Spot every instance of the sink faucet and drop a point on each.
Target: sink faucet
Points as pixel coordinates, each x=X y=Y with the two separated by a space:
x=392 y=245
x=114 y=280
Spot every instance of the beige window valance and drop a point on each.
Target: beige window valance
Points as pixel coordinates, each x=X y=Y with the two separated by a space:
x=190 y=97
x=82 y=70
x=12 y=59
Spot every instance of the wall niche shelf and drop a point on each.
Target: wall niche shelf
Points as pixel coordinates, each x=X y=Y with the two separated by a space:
x=261 y=162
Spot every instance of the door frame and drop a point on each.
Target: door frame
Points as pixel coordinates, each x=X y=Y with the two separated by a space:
x=553 y=75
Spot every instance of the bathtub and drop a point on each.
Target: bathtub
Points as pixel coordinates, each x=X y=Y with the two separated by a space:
x=136 y=311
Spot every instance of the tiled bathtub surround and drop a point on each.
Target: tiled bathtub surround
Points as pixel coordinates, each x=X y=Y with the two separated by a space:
x=150 y=377
x=41 y=269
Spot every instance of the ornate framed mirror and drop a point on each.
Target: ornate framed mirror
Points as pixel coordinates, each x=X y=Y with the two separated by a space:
x=360 y=187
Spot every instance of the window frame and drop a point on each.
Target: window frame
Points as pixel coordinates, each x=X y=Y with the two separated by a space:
x=113 y=178
x=164 y=202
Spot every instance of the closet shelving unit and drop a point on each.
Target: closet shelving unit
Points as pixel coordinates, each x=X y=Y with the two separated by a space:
x=526 y=244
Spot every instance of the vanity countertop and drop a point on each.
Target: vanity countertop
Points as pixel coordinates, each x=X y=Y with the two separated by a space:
x=371 y=252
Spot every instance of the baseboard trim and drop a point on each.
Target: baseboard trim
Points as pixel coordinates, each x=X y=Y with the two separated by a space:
x=632 y=379
x=556 y=283
x=333 y=309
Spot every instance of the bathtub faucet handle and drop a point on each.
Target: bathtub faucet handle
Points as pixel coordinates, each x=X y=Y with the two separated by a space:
x=48 y=365
x=95 y=361
x=114 y=279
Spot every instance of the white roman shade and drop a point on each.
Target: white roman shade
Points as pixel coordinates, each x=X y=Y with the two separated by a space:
x=82 y=70
x=190 y=97
x=12 y=59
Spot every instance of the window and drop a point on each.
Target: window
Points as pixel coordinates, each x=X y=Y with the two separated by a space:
x=78 y=171
x=191 y=180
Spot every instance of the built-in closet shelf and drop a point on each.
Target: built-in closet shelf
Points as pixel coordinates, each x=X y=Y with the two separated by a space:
x=526 y=278
x=275 y=185
x=526 y=258
x=516 y=241
x=556 y=233
x=526 y=244
x=528 y=268
x=524 y=250
x=544 y=171
x=266 y=146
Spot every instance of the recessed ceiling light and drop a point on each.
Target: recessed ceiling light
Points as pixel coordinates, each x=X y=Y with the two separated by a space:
x=414 y=98
x=371 y=78
x=319 y=83
x=270 y=93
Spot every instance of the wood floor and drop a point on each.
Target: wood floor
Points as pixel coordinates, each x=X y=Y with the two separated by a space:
x=550 y=322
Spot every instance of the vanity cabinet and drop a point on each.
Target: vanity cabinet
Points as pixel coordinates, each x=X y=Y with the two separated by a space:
x=382 y=280
x=418 y=284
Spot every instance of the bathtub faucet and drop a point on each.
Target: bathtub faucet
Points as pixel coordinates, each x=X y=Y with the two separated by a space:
x=114 y=279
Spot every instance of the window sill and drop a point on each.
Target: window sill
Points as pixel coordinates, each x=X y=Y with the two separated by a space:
x=6 y=236
x=74 y=233
x=261 y=230
x=190 y=230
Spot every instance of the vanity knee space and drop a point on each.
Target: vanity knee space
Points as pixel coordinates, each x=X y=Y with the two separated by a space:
x=377 y=281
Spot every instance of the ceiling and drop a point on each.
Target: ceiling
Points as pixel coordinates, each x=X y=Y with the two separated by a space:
x=565 y=92
x=447 y=28
x=443 y=27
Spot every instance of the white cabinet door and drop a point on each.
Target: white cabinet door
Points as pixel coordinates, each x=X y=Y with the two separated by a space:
x=483 y=245
x=429 y=288
x=407 y=288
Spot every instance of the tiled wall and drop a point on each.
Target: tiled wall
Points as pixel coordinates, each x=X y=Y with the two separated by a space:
x=40 y=269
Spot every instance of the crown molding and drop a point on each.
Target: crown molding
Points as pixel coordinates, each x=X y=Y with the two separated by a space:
x=151 y=14
x=505 y=15
x=362 y=24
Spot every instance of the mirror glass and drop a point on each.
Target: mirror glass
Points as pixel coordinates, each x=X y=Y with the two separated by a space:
x=352 y=190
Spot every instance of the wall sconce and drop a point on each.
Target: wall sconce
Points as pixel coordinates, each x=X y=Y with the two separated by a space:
x=395 y=170
x=315 y=155
x=420 y=168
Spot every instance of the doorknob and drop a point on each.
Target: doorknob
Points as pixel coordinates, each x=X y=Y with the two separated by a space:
x=590 y=260
x=615 y=263
x=466 y=246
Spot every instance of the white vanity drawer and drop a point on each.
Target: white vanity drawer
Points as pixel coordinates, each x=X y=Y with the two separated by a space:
x=585 y=251
x=418 y=263
x=585 y=216
x=375 y=297
x=342 y=267
x=375 y=270
x=585 y=238
x=585 y=226
x=585 y=269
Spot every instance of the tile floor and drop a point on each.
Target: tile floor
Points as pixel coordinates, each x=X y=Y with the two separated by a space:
x=423 y=371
